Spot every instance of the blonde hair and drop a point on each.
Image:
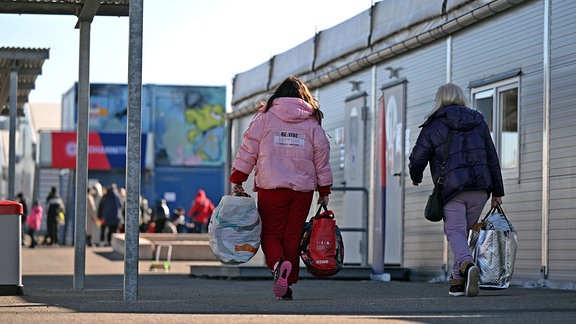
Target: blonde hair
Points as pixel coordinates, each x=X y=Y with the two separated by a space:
x=447 y=95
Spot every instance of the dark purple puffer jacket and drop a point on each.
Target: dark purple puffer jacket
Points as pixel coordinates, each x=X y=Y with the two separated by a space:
x=473 y=161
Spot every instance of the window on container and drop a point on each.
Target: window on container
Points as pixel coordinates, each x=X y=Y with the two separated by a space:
x=498 y=102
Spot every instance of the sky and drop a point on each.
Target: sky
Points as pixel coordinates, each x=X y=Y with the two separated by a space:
x=185 y=42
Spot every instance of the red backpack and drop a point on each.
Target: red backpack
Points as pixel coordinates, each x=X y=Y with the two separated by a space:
x=321 y=247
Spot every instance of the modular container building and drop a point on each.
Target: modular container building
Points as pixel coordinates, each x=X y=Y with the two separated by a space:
x=375 y=76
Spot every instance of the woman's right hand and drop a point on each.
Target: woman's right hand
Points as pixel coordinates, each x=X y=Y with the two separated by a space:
x=238 y=190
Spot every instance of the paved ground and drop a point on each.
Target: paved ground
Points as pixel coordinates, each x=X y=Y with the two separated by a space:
x=176 y=297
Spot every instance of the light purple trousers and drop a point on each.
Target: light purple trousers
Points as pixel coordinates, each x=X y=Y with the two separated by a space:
x=460 y=213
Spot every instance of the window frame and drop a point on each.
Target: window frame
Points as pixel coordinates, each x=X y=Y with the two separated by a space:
x=497 y=88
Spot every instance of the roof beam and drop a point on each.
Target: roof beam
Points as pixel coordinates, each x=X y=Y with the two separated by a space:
x=26 y=85
x=4 y=92
x=117 y=8
x=23 y=71
x=21 y=100
x=88 y=11
x=23 y=54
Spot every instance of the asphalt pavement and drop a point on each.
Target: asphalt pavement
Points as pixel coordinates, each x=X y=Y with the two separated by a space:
x=175 y=296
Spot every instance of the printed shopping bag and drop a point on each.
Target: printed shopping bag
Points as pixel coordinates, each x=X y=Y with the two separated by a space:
x=493 y=243
x=234 y=229
x=321 y=246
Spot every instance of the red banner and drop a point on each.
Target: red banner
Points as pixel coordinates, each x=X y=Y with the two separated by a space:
x=64 y=151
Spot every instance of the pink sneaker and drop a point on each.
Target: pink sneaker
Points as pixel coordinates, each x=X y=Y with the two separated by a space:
x=281 y=273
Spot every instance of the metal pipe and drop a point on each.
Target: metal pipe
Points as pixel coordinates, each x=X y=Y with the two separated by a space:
x=133 y=151
x=364 y=228
x=445 y=265
x=82 y=156
x=12 y=130
x=377 y=222
x=546 y=140
x=228 y=162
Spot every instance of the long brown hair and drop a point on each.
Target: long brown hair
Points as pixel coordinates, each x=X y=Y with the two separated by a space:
x=294 y=88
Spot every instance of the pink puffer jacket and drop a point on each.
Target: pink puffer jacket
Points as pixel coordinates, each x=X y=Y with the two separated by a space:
x=287 y=147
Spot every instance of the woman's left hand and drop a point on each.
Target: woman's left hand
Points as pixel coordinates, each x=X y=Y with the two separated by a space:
x=323 y=199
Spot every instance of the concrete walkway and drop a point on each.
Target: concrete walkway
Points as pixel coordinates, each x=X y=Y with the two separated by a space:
x=176 y=297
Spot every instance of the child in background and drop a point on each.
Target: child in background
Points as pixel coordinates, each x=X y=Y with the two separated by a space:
x=34 y=220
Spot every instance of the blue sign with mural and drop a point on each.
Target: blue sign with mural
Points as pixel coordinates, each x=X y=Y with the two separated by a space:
x=187 y=122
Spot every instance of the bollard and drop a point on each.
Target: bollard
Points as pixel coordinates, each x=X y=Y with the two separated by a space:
x=11 y=248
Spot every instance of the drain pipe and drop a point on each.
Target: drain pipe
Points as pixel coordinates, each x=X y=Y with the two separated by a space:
x=447 y=269
x=545 y=142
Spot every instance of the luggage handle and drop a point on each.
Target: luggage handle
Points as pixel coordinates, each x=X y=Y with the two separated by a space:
x=482 y=224
x=328 y=213
x=493 y=210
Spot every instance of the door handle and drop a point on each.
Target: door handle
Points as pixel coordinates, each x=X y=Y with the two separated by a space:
x=397 y=174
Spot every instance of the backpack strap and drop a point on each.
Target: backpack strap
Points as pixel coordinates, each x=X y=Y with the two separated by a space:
x=445 y=154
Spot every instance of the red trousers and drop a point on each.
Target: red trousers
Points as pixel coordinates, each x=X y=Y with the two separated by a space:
x=283 y=213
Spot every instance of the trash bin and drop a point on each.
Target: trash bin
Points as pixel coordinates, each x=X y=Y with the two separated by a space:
x=10 y=248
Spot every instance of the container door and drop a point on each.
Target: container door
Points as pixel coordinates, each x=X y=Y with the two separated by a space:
x=354 y=209
x=392 y=169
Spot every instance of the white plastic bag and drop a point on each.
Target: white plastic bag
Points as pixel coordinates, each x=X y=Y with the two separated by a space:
x=234 y=229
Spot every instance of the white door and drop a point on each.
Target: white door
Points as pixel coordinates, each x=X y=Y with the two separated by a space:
x=392 y=170
x=354 y=211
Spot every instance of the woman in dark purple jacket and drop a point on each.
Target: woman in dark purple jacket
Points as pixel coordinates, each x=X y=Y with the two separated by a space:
x=472 y=174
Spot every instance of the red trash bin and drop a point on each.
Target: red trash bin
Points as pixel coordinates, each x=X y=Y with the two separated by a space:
x=10 y=248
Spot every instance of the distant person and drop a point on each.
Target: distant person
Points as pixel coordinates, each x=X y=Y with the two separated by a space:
x=97 y=192
x=54 y=206
x=145 y=215
x=122 y=193
x=22 y=200
x=178 y=219
x=92 y=220
x=110 y=213
x=161 y=216
x=34 y=221
x=200 y=212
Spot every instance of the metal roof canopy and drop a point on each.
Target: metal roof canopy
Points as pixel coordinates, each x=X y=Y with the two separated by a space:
x=27 y=63
x=85 y=10
x=64 y=7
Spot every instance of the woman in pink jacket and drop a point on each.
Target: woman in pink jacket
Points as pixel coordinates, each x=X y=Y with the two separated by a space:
x=290 y=153
x=34 y=220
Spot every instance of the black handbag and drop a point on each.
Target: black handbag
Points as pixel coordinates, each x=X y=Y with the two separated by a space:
x=434 y=210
